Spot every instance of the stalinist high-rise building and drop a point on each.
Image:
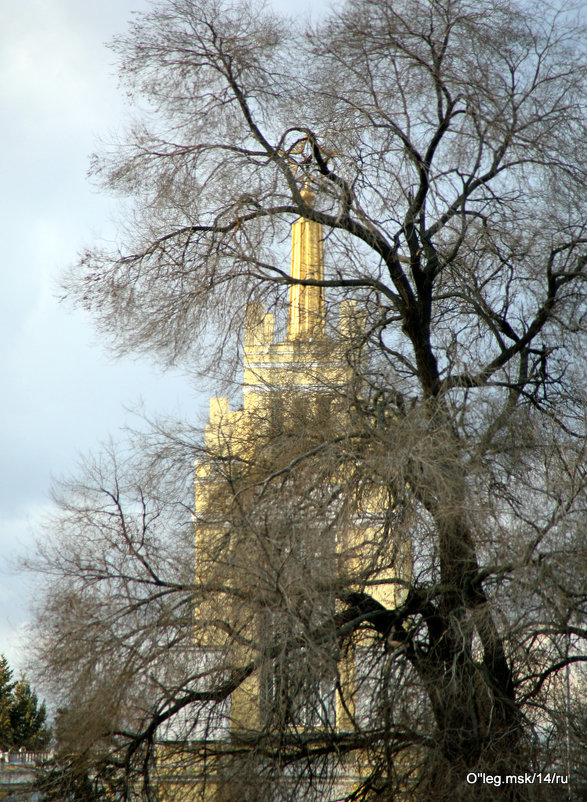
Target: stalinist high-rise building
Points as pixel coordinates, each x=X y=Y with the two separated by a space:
x=279 y=531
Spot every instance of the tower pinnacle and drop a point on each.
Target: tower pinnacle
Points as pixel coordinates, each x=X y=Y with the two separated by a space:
x=306 y=303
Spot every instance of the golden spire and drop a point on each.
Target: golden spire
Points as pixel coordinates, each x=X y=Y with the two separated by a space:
x=306 y=303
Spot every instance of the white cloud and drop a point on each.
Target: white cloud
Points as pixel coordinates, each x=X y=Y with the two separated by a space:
x=17 y=534
x=54 y=65
x=12 y=646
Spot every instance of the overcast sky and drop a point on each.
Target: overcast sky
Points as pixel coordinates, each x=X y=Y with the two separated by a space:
x=61 y=394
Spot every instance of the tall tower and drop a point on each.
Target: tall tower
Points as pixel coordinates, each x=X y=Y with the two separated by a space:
x=302 y=367
x=265 y=549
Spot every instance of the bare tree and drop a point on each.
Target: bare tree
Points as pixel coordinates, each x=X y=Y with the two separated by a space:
x=444 y=143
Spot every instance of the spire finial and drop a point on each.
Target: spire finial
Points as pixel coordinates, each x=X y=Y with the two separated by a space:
x=306 y=192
